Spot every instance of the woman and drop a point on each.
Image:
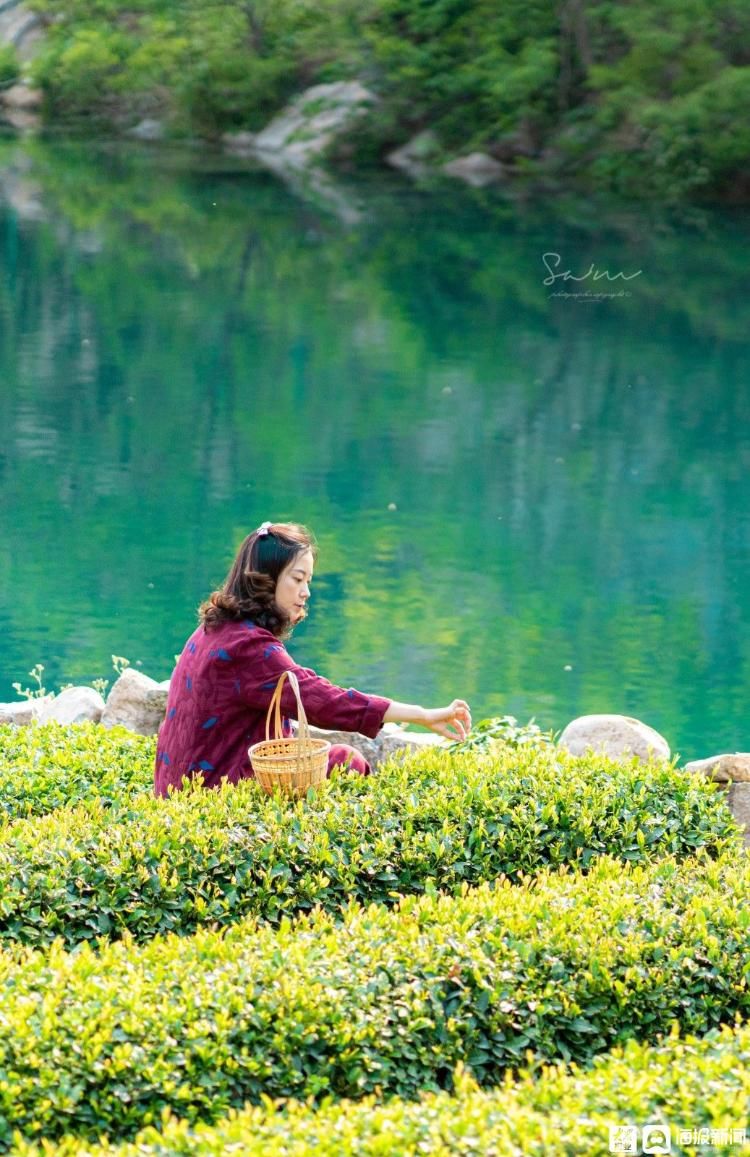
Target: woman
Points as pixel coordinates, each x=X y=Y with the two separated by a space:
x=226 y=675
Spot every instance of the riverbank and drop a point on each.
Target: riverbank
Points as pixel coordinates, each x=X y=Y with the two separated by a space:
x=628 y=101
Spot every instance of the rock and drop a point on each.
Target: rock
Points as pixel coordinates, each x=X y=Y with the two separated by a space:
x=73 y=705
x=391 y=740
x=476 y=169
x=147 y=130
x=307 y=127
x=617 y=736
x=135 y=702
x=733 y=768
x=22 y=97
x=24 y=712
x=415 y=156
x=738 y=798
x=241 y=143
x=21 y=120
x=400 y=742
x=368 y=747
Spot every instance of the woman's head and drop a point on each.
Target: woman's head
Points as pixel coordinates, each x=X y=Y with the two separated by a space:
x=269 y=580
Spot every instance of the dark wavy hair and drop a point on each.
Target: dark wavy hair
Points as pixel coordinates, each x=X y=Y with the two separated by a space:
x=248 y=591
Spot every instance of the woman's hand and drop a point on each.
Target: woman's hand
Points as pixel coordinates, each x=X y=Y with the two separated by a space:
x=452 y=722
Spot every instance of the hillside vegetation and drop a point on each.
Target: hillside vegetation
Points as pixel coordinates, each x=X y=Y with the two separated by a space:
x=648 y=97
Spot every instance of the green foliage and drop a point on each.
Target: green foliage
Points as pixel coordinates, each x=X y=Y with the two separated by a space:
x=48 y=766
x=470 y=70
x=505 y=729
x=10 y=67
x=204 y=68
x=568 y=1109
x=563 y=967
x=627 y=96
x=147 y=866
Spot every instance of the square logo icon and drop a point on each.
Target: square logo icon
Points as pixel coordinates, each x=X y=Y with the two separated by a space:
x=657 y=1139
x=623 y=1138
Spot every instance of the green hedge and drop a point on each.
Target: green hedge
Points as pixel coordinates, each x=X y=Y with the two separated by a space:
x=388 y=1002
x=561 y=1111
x=49 y=765
x=433 y=820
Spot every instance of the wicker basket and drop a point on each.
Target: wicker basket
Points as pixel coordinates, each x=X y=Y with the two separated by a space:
x=292 y=765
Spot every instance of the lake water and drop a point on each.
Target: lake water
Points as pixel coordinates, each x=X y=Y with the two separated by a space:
x=539 y=503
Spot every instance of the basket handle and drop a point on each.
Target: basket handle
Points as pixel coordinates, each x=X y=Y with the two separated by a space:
x=303 y=731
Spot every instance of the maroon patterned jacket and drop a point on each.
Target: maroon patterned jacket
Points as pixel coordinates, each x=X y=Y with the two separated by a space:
x=219 y=696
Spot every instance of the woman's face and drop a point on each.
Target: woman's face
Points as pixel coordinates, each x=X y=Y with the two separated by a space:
x=293 y=586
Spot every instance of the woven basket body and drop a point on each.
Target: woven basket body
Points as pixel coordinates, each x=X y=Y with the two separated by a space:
x=292 y=765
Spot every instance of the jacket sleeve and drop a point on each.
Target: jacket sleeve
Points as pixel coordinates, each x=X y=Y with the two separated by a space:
x=326 y=705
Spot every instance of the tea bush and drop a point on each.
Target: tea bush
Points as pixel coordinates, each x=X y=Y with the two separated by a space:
x=562 y=966
x=146 y=865
x=47 y=766
x=686 y=1082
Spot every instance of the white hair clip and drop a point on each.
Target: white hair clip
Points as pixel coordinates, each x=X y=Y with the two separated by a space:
x=263 y=529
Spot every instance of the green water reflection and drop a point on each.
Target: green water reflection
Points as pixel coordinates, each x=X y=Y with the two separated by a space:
x=188 y=347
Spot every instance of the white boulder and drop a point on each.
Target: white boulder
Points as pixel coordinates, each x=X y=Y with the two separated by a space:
x=73 y=705
x=135 y=702
x=618 y=736
x=24 y=712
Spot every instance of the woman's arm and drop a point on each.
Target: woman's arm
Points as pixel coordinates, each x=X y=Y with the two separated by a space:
x=453 y=722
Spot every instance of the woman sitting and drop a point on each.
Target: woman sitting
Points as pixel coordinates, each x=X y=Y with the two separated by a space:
x=228 y=670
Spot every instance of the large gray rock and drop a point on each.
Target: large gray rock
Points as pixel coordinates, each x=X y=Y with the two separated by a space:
x=73 y=705
x=391 y=740
x=476 y=169
x=24 y=712
x=732 y=768
x=738 y=798
x=618 y=736
x=135 y=702
x=312 y=121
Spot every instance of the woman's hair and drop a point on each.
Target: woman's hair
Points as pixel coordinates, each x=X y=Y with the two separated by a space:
x=248 y=591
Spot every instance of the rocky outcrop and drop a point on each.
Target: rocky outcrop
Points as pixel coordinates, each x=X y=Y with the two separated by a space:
x=136 y=702
x=22 y=29
x=618 y=736
x=304 y=131
x=477 y=169
x=20 y=26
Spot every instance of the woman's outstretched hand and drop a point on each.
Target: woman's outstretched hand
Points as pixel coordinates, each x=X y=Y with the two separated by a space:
x=452 y=722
